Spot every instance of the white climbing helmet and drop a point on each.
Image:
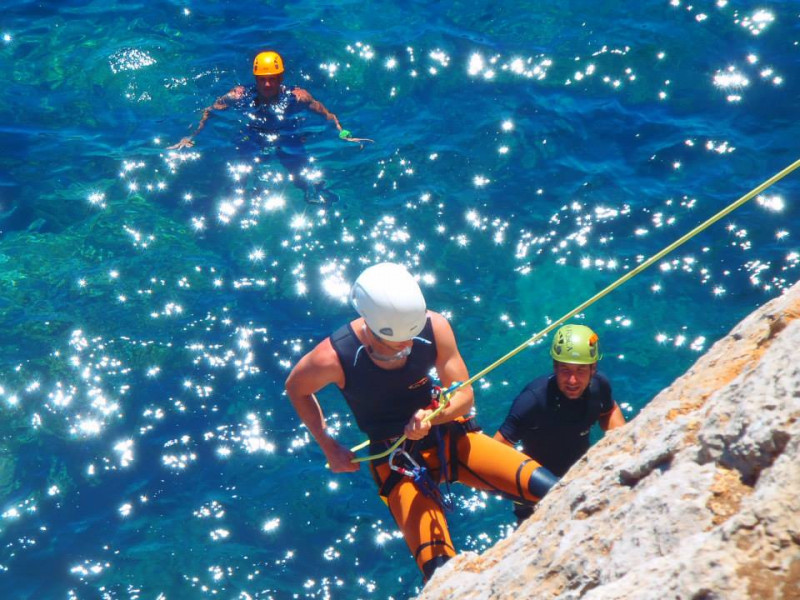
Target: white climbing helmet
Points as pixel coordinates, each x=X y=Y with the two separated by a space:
x=389 y=299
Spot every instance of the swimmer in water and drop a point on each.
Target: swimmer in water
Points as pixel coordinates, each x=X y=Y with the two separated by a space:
x=271 y=110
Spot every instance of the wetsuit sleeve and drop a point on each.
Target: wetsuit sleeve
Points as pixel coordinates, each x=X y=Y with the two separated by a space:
x=605 y=395
x=518 y=416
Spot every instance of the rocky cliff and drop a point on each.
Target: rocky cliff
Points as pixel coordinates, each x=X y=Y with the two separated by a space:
x=698 y=497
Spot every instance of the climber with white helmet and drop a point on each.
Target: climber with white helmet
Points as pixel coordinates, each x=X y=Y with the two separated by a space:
x=382 y=362
x=270 y=110
x=552 y=416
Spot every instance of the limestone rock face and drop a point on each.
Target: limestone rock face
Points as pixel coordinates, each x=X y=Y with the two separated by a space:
x=698 y=497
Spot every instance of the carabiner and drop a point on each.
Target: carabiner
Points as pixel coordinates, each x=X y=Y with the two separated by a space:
x=402 y=470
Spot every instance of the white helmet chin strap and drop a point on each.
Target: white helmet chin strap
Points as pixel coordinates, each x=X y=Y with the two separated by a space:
x=389 y=357
x=377 y=356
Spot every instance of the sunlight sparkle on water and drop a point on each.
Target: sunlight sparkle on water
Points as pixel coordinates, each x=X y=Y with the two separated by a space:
x=698 y=344
x=730 y=78
x=89 y=427
x=271 y=525
x=212 y=509
x=257 y=255
x=300 y=222
x=528 y=68
x=273 y=203
x=89 y=569
x=361 y=49
x=473 y=218
x=719 y=148
x=125 y=451
x=129 y=59
x=773 y=203
x=11 y=514
x=97 y=199
x=330 y=68
x=336 y=286
x=476 y=64
x=440 y=57
x=757 y=22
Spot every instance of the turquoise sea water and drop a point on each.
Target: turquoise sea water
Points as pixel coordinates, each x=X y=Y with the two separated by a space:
x=526 y=155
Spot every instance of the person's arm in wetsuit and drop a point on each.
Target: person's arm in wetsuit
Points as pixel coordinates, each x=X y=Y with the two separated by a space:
x=521 y=409
x=313 y=372
x=314 y=105
x=451 y=368
x=220 y=103
x=612 y=419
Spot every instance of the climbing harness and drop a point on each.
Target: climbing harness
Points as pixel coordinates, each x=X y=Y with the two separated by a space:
x=403 y=463
x=445 y=395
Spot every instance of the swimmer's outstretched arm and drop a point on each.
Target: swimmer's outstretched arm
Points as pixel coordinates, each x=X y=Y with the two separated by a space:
x=220 y=103
x=316 y=106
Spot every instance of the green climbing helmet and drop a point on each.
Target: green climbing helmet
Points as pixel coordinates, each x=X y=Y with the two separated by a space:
x=575 y=344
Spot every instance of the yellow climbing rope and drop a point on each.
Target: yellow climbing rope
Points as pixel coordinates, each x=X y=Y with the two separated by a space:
x=444 y=397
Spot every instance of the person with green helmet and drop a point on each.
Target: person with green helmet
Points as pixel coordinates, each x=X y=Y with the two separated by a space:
x=551 y=417
x=270 y=112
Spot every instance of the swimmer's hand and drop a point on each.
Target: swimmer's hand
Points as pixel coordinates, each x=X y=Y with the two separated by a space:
x=186 y=142
x=345 y=135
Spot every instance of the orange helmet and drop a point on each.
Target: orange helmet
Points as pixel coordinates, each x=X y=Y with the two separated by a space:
x=268 y=63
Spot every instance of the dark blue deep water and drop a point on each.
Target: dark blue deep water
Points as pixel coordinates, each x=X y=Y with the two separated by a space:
x=526 y=155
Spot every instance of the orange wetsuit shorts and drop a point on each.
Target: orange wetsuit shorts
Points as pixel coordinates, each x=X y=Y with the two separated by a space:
x=474 y=459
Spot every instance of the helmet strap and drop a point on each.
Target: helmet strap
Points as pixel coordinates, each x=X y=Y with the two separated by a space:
x=404 y=353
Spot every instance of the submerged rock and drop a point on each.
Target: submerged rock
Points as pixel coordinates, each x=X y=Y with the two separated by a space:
x=698 y=497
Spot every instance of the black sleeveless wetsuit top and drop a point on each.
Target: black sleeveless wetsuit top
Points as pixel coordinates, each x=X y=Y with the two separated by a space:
x=553 y=429
x=384 y=400
x=263 y=120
